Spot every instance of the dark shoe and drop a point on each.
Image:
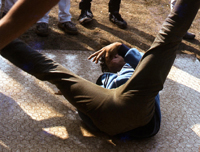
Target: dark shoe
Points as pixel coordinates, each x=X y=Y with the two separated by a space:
x=188 y=35
x=85 y=17
x=68 y=27
x=42 y=29
x=118 y=20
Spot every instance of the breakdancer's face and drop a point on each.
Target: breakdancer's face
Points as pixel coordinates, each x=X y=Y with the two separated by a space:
x=115 y=64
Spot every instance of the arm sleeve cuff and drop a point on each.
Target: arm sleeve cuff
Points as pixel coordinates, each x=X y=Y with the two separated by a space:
x=123 y=49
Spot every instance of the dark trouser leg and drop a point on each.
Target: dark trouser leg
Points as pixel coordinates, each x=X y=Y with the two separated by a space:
x=85 y=4
x=89 y=98
x=114 y=6
x=151 y=72
x=84 y=95
x=157 y=61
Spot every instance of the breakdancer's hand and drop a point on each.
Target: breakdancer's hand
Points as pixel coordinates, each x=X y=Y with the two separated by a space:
x=108 y=51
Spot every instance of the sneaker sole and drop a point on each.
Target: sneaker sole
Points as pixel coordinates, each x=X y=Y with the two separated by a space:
x=85 y=20
x=120 y=26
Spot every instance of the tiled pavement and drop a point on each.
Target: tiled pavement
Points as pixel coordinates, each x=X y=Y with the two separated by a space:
x=33 y=118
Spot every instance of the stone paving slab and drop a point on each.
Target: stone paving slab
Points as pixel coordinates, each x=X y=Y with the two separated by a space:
x=33 y=118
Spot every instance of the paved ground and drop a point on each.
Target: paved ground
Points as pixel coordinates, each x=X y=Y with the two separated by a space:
x=34 y=119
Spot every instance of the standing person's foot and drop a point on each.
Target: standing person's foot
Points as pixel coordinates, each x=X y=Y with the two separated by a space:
x=68 y=27
x=118 y=20
x=188 y=35
x=42 y=29
x=85 y=17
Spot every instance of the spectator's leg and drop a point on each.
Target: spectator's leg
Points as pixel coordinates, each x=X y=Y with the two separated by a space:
x=64 y=16
x=63 y=13
x=86 y=13
x=114 y=16
x=114 y=6
x=85 y=4
x=42 y=27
